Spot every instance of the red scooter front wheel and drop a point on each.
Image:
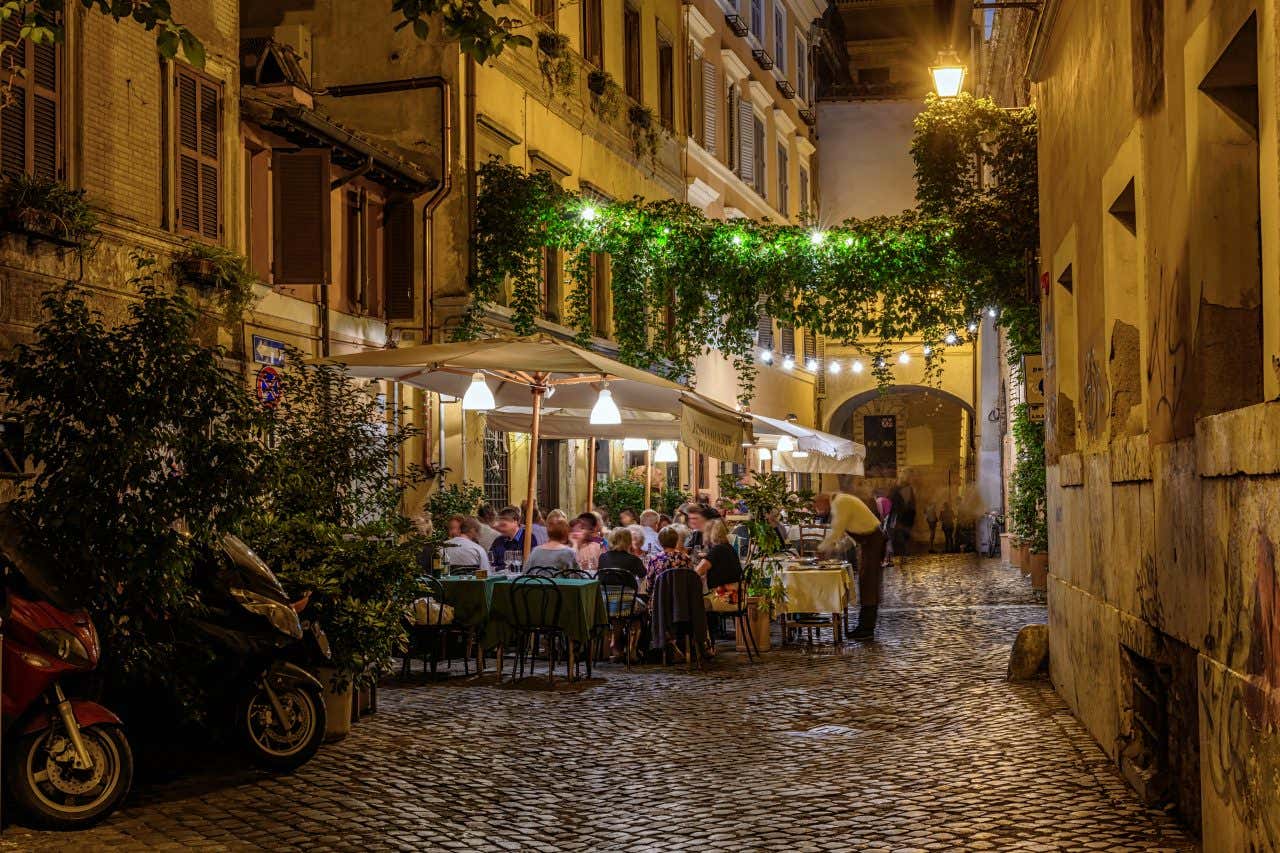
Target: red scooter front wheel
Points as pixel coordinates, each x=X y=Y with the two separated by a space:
x=53 y=792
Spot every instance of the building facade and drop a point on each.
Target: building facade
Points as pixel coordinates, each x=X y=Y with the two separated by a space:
x=1159 y=197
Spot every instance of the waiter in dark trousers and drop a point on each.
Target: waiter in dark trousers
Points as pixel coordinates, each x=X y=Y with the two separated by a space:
x=851 y=517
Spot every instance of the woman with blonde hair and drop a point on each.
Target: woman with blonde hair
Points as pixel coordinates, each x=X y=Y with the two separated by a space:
x=720 y=567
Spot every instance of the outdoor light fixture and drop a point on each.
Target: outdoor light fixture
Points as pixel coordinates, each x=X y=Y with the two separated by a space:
x=605 y=411
x=816 y=237
x=948 y=73
x=991 y=312
x=951 y=338
x=766 y=454
x=811 y=365
x=973 y=327
x=478 y=397
x=857 y=367
x=786 y=444
x=635 y=444
x=928 y=350
x=788 y=363
x=904 y=357
x=834 y=367
x=766 y=355
x=666 y=452
x=588 y=214
x=736 y=239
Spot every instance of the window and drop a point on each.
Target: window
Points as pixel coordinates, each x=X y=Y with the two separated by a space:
x=757 y=19
x=802 y=68
x=733 y=150
x=592 y=33
x=787 y=338
x=198 y=115
x=551 y=283
x=30 y=132
x=362 y=284
x=695 y=103
x=780 y=37
x=758 y=154
x=666 y=83
x=784 y=191
x=633 y=72
x=804 y=193
x=545 y=11
x=600 y=294
x=497 y=479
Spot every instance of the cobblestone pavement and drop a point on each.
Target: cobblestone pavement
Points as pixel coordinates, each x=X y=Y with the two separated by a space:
x=914 y=742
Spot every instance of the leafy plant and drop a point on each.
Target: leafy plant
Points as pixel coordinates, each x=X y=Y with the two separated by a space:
x=479 y=34
x=47 y=207
x=606 y=95
x=43 y=23
x=559 y=70
x=763 y=494
x=645 y=131
x=619 y=493
x=669 y=500
x=137 y=432
x=1027 y=495
x=448 y=501
x=220 y=271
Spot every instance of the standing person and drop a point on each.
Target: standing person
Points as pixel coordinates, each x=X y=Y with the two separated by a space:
x=651 y=522
x=488 y=535
x=903 y=514
x=931 y=519
x=463 y=548
x=852 y=517
x=510 y=543
x=626 y=518
x=699 y=515
x=948 y=519
x=821 y=506
x=556 y=553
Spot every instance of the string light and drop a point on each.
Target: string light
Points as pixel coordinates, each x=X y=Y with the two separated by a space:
x=928 y=350
x=904 y=357
x=951 y=338
x=766 y=355
x=848 y=241
x=812 y=365
x=973 y=327
x=736 y=239
x=834 y=367
x=857 y=367
x=991 y=312
x=788 y=363
x=816 y=237
x=589 y=213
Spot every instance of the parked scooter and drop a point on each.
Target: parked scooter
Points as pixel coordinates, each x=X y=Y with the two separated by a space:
x=279 y=706
x=67 y=761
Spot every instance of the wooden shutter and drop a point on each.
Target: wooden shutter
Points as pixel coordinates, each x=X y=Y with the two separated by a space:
x=746 y=142
x=788 y=342
x=401 y=292
x=301 y=221
x=374 y=255
x=592 y=33
x=710 y=105
x=30 y=132
x=810 y=346
x=631 y=42
x=666 y=83
x=198 y=110
x=764 y=329
x=784 y=190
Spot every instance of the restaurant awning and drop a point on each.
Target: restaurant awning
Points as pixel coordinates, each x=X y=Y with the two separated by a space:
x=821 y=452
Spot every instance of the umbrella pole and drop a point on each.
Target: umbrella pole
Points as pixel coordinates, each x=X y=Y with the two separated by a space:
x=538 y=391
x=648 y=473
x=591 y=472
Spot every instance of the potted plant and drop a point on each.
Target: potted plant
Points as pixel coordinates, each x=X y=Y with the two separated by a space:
x=645 y=131
x=555 y=61
x=219 y=273
x=606 y=96
x=1027 y=517
x=46 y=209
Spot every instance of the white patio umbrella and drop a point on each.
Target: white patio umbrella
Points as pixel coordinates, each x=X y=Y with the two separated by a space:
x=819 y=452
x=520 y=376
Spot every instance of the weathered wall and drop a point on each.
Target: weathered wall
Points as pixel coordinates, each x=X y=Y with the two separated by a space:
x=867 y=145
x=1163 y=481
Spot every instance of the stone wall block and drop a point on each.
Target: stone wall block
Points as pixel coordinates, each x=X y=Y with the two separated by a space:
x=1072 y=469
x=1131 y=459
x=1086 y=631
x=1122 y=564
x=1179 y=520
x=1243 y=441
x=1103 y=566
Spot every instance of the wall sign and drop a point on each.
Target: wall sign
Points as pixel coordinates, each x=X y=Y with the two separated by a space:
x=269 y=352
x=880 y=435
x=1033 y=377
x=269 y=388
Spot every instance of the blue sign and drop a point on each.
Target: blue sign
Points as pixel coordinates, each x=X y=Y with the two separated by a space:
x=267 y=351
x=269 y=387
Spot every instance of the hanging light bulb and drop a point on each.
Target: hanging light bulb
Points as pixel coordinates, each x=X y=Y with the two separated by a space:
x=834 y=367
x=788 y=363
x=786 y=444
x=973 y=327
x=951 y=338
x=766 y=455
x=766 y=355
x=816 y=237
x=666 y=452
x=904 y=357
x=589 y=213
x=478 y=397
x=857 y=367
x=811 y=365
x=605 y=411
x=635 y=444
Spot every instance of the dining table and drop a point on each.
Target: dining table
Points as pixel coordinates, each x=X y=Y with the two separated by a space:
x=823 y=588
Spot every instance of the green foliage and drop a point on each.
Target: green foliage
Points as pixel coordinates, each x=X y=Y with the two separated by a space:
x=220 y=271
x=669 y=500
x=645 y=131
x=43 y=23
x=762 y=494
x=137 y=431
x=1027 y=499
x=448 y=501
x=558 y=67
x=47 y=207
x=606 y=95
x=479 y=34
x=619 y=493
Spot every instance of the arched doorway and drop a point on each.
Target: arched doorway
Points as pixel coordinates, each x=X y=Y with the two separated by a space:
x=918 y=435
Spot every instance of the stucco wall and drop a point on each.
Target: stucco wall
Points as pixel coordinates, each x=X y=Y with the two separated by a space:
x=866 y=149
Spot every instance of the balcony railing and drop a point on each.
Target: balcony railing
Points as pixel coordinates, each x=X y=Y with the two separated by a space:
x=786 y=89
x=763 y=59
x=737 y=26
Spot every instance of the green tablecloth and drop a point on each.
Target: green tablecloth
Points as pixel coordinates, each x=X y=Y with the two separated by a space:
x=486 y=604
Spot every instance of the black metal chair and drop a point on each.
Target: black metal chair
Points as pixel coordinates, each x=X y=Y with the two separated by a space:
x=741 y=621
x=580 y=574
x=541 y=572
x=535 y=615
x=620 y=590
x=677 y=608
x=430 y=640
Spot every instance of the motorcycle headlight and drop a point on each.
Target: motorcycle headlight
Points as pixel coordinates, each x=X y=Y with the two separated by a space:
x=281 y=616
x=65 y=646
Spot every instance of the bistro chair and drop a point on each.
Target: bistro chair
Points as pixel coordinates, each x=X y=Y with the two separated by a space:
x=676 y=608
x=741 y=622
x=620 y=589
x=535 y=615
x=541 y=572
x=430 y=641
x=578 y=574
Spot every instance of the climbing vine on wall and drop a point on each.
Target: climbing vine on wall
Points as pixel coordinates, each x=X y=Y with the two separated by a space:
x=683 y=284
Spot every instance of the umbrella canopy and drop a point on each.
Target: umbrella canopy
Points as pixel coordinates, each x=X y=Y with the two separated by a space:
x=827 y=453
x=534 y=377
x=818 y=463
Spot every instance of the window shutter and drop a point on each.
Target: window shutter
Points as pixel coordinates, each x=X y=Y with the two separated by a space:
x=788 y=344
x=810 y=346
x=401 y=304
x=710 y=105
x=747 y=141
x=197 y=104
x=301 y=221
x=29 y=123
x=13 y=118
x=764 y=329
x=44 y=111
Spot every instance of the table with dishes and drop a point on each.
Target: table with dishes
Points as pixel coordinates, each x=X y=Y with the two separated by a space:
x=817 y=587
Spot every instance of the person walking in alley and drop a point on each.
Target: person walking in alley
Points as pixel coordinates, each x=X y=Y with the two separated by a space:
x=852 y=518
x=948 y=519
x=931 y=519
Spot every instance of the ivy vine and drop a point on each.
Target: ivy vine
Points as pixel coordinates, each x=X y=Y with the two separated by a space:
x=559 y=71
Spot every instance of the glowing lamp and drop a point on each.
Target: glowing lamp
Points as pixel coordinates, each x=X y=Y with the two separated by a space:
x=478 y=397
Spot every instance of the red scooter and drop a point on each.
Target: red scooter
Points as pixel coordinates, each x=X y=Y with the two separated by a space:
x=67 y=762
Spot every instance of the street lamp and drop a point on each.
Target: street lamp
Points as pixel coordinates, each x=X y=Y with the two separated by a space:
x=948 y=73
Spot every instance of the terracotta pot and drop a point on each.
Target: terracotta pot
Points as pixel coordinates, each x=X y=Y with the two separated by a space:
x=1024 y=559
x=1006 y=548
x=1039 y=570
x=1015 y=550
x=337 y=706
x=759 y=618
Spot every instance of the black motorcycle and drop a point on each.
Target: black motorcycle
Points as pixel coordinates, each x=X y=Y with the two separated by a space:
x=279 y=705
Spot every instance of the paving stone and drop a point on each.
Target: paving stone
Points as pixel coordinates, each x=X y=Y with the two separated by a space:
x=912 y=742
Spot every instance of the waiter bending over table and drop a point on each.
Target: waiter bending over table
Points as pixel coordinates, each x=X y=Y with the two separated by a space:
x=851 y=517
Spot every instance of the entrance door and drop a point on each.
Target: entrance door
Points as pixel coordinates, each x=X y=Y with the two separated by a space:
x=549 y=474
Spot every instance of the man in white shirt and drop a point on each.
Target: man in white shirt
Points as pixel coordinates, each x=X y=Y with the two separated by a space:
x=649 y=521
x=851 y=517
x=465 y=549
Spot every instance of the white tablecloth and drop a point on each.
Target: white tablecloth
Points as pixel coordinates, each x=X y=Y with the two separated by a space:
x=816 y=590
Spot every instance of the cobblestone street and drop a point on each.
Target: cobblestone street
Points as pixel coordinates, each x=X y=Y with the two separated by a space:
x=914 y=742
